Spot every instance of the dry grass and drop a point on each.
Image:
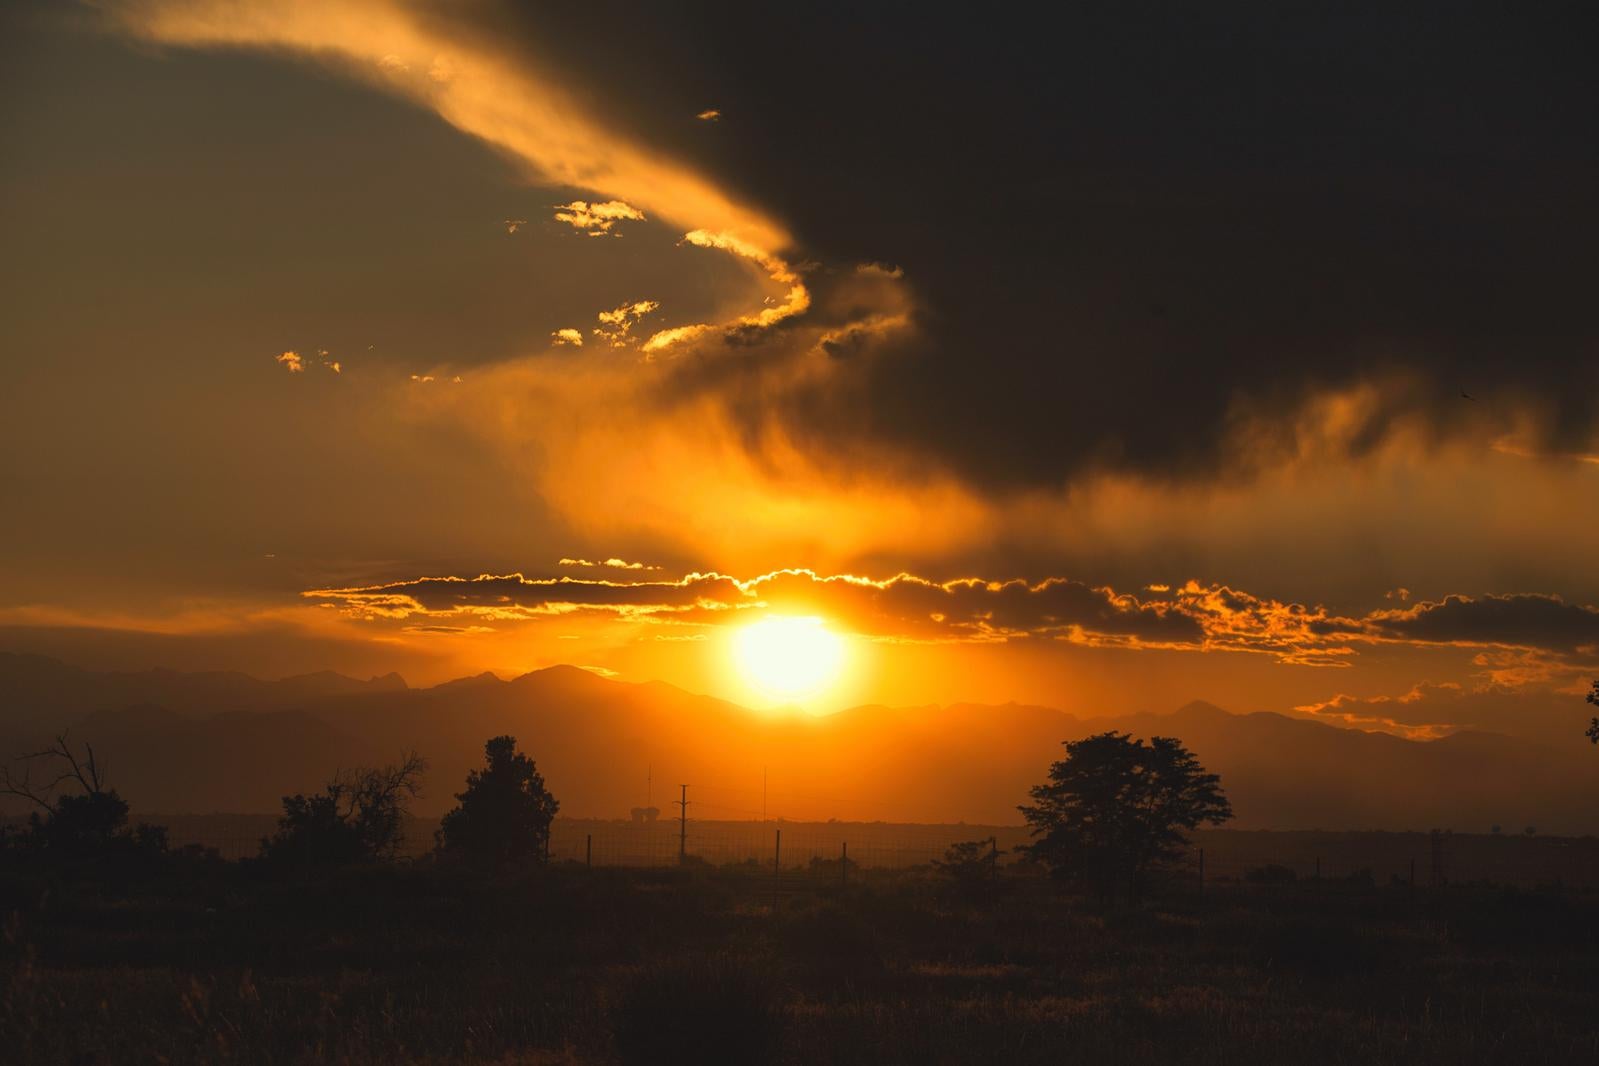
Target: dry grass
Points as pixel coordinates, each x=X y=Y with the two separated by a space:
x=408 y=965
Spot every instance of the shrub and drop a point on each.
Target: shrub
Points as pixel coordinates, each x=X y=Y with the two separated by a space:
x=357 y=817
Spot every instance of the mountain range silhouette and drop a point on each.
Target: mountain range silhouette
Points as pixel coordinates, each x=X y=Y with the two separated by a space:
x=224 y=741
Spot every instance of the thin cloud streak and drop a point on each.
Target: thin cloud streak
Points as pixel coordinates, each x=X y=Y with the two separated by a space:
x=907 y=607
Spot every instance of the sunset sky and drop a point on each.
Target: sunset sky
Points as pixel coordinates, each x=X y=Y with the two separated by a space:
x=1157 y=354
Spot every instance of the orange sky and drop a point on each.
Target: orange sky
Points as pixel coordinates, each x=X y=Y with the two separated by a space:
x=368 y=336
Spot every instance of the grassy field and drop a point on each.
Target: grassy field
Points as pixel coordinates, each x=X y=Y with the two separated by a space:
x=713 y=964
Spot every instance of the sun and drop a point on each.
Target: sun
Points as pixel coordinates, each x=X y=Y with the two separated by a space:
x=786 y=657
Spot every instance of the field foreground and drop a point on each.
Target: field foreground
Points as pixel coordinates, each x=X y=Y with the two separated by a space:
x=726 y=964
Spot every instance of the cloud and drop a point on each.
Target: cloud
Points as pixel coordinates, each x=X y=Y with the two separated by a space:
x=568 y=336
x=1512 y=621
x=709 y=115
x=1194 y=616
x=295 y=363
x=479 y=84
x=1433 y=709
x=1266 y=312
x=481 y=88
x=666 y=338
x=597 y=219
x=613 y=563
x=1408 y=715
x=513 y=224
x=616 y=325
x=903 y=607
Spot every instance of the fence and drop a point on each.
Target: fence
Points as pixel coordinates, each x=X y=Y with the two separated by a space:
x=1423 y=859
x=1223 y=855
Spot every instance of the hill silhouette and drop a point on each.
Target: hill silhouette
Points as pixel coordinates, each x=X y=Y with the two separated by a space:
x=227 y=742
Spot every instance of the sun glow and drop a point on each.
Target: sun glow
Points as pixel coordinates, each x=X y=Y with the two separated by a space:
x=788 y=658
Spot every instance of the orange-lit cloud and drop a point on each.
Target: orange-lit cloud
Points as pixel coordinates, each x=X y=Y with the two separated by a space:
x=597 y=219
x=493 y=95
x=295 y=363
x=568 y=336
x=1387 y=714
x=667 y=338
x=907 y=607
x=612 y=563
x=616 y=325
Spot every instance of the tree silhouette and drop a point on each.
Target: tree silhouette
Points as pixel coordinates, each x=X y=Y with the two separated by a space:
x=93 y=820
x=1593 y=726
x=1115 y=810
x=359 y=816
x=505 y=813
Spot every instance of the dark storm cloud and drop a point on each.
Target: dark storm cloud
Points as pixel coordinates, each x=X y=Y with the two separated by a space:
x=1134 y=225
x=1524 y=621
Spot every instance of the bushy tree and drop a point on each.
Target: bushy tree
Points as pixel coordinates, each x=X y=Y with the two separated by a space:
x=1593 y=724
x=505 y=813
x=1114 y=811
x=359 y=816
x=78 y=817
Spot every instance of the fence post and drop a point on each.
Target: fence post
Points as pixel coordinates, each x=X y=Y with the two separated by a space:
x=843 y=864
x=777 y=868
x=588 y=851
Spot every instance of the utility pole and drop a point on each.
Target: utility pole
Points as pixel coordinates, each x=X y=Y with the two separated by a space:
x=682 y=826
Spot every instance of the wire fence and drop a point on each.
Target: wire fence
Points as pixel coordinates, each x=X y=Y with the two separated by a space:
x=1218 y=856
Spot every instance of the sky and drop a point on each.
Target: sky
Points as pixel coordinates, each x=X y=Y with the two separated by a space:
x=1159 y=352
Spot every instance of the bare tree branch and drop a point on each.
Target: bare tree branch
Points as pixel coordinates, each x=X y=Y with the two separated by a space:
x=92 y=780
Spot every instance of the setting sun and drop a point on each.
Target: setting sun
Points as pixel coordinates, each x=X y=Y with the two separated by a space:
x=788 y=657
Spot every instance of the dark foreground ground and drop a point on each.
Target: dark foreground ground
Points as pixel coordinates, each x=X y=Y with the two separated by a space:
x=713 y=965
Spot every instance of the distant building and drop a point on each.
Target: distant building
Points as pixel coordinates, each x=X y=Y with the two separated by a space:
x=646 y=814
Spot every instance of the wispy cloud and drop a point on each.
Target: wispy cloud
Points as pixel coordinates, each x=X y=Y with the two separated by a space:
x=295 y=363
x=473 y=84
x=616 y=325
x=570 y=337
x=612 y=563
x=905 y=606
x=597 y=219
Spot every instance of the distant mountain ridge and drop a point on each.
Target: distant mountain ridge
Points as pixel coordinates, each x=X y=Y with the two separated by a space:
x=228 y=742
x=36 y=688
